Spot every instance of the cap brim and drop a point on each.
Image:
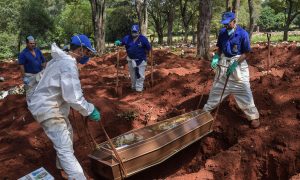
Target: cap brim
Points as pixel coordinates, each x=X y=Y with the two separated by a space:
x=226 y=21
x=92 y=50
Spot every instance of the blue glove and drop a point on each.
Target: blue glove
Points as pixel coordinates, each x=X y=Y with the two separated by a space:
x=232 y=67
x=95 y=115
x=26 y=80
x=118 y=43
x=214 y=61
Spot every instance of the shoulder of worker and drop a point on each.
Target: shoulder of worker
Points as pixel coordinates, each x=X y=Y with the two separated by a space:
x=63 y=61
x=24 y=50
x=241 y=31
x=223 y=31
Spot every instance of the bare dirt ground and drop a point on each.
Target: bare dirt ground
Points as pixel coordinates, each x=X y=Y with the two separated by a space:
x=232 y=151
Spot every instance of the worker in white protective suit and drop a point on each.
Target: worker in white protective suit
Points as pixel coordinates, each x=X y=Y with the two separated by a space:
x=233 y=46
x=57 y=91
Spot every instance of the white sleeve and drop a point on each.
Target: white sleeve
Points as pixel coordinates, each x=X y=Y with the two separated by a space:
x=72 y=92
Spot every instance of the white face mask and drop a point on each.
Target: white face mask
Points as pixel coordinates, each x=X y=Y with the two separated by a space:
x=230 y=31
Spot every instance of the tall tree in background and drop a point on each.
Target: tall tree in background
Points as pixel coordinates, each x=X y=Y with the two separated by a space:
x=228 y=8
x=142 y=13
x=98 y=16
x=292 y=10
x=251 y=16
x=187 y=12
x=158 y=17
x=205 y=11
x=34 y=19
x=169 y=10
x=235 y=8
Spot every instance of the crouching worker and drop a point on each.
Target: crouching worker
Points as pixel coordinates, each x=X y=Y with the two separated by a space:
x=137 y=47
x=233 y=47
x=32 y=62
x=58 y=90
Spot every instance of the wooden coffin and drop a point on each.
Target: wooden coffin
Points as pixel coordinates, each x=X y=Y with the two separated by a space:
x=142 y=148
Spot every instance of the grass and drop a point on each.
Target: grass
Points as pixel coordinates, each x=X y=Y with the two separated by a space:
x=275 y=37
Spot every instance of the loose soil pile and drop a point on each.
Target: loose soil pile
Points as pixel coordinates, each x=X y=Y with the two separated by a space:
x=232 y=151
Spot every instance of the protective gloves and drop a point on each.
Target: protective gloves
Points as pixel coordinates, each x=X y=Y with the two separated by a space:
x=118 y=43
x=26 y=80
x=214 y=61
x=231 y=68
x=95 y=115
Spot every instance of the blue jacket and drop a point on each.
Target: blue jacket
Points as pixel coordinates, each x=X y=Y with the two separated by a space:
x=136 y=50
x=31 y=64
x=235 y=44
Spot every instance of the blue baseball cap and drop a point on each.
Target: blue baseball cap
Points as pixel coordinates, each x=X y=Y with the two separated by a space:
x=135 y=28
x=227 y=17
x=30 y=38
x=82 y=40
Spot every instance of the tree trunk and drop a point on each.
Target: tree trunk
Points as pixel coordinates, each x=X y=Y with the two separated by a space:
x=99 y=16
x=251 y=15
x=205 y=11
x=19 y=41
x=170 y=20
x=227 y=6
x=160 y=36
x=235 y=8
x=186 y=34
x=142 y=13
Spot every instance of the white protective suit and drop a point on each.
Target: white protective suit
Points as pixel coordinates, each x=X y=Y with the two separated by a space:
x=238 y=85
x=33 y=81
x=137 y=83
x=58 y=90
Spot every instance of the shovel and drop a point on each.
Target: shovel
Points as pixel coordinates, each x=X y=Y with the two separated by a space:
x=118 y=88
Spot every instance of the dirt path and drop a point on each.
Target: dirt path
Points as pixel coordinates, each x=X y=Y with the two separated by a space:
x=232 y=151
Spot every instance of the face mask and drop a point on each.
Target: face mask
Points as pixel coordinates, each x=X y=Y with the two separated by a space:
x=134 y=34
x=84 y=59
x=230 y=31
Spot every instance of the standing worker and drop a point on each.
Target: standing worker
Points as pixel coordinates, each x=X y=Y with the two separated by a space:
x=137 y=47
x=58 y=90
x=32 y=63
x=233 y=46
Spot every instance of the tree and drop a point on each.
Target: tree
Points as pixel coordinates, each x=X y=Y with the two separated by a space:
x=205 y=11
x=34 y=20
x=252 y=19
x=98 y=17
x=119 y=22
x=66 y=24
x=291 y=8
x=158 y=17
x=141 y=10
x=236 y=8
x=169 y=10
x=187 y=11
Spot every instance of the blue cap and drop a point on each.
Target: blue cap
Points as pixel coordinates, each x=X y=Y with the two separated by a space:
x=82 y=40
x=30 y=38
x=135 y=28
x=227 y=17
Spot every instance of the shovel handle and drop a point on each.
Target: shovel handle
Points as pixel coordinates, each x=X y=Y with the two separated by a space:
x=114 y=150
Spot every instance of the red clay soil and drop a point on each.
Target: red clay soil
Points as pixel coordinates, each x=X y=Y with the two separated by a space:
x=232 y=151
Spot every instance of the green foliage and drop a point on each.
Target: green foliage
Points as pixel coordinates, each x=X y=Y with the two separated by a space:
x=118 y=23
x=74 y=19
x=7 y=45
x=35 y=19
x=269 y=20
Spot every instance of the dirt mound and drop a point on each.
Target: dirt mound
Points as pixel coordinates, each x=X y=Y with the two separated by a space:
x=232 y=151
